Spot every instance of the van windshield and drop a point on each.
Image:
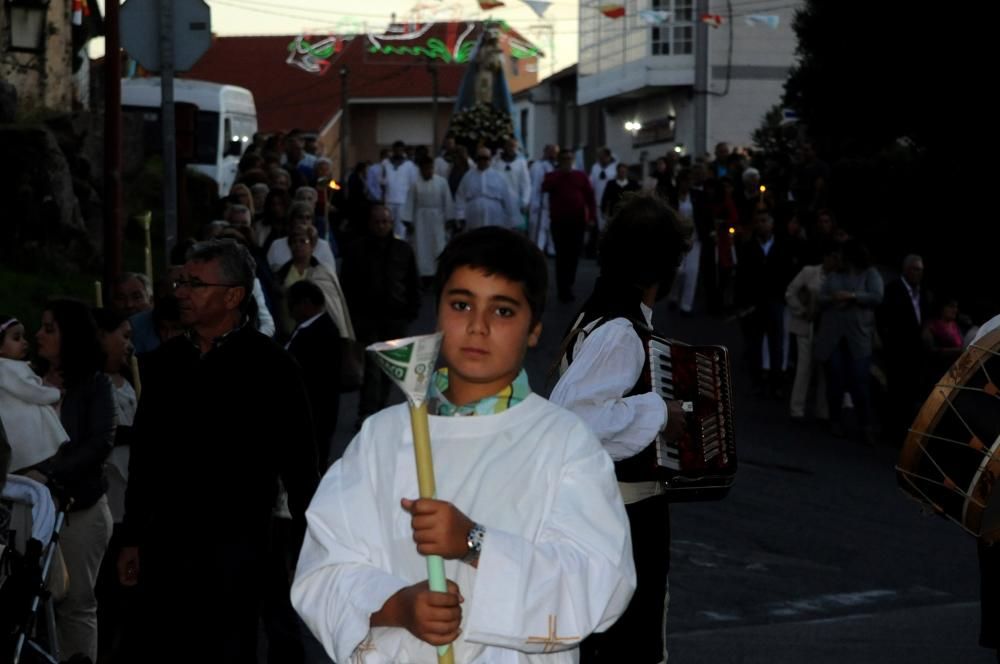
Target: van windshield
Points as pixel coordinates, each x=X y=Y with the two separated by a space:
x=206 y=133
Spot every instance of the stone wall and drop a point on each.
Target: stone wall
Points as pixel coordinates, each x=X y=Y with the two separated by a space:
x=44 y=81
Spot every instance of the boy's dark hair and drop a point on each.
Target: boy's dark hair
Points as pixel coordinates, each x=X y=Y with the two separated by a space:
x=498 y=251
x=305 y=291
x=644 y=243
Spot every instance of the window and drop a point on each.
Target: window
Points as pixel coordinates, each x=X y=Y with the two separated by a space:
x=677 y=36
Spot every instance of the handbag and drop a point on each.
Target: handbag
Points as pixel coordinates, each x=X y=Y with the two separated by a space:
x=352 y=365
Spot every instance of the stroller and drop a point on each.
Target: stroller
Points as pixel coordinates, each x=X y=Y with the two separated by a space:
x=31 y=572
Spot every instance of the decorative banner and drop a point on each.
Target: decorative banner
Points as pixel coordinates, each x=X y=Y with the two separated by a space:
x=456 y=48
x=313 y=57
x=538 y=6
x=486 y=5
x=80 y=10
x=655 y=16
x=770 y=20
x=714 y=20
x=612 y=10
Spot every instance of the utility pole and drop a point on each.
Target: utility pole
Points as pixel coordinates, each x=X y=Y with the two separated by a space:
x=345 y=122
x=113 y=212
x=432 y=68
x=167 y=125
x=701 y=81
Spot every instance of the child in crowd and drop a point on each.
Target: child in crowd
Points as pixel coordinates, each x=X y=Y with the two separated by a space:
x=530 y=523
x=26 y=406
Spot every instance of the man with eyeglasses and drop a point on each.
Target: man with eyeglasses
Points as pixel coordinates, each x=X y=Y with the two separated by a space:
x=224 y=414
x=483 y=197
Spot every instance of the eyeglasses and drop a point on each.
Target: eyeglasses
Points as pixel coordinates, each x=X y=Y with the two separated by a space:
x=195 y=284
x=299 y=240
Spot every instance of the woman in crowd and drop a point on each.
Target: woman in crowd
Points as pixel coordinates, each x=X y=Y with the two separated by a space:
x=843 y=343
x=70 y=352
x=304 y=265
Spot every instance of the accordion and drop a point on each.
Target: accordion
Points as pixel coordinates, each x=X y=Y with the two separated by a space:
x=701 y=463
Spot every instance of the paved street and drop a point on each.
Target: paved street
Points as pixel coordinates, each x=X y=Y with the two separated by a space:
x=815 y=556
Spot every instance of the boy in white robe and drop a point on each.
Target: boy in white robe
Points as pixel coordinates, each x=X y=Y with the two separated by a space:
x=530 y=521
x=428 y=209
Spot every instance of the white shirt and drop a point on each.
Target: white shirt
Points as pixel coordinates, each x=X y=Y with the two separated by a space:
x=280 y=253
x=515 y=172
x=556 y=555
x=599 y=183
x=606 y=365
x=303 y=325
x=265 y=321
x=29 y=417
x=398 y=180
x=484 y=199
x=914 y=299
x=766 y=245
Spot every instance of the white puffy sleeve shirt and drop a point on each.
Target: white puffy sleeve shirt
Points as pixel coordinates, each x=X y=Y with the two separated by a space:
x=556 y=562
x=606 y=365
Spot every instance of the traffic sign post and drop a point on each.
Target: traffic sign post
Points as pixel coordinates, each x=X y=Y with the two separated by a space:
x=167 y=36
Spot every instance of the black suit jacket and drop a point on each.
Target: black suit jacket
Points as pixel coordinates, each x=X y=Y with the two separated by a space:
x=898 y=324
x=317 y=349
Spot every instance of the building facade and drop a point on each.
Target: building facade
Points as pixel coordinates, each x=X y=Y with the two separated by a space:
x=657 y=93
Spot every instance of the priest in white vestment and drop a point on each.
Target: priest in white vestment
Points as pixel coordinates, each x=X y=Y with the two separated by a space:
x=538 y=215
x=398 y=174
x=427 y=209
x=513 y=167
x=483 y=198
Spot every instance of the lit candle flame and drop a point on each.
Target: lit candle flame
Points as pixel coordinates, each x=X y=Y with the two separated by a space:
x=732 y=230
x=763 y=189
x=334 y=185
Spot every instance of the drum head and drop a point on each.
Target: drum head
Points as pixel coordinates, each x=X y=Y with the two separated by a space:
x=951 y=458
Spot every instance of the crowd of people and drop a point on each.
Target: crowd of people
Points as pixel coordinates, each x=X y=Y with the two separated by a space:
x=196 y=472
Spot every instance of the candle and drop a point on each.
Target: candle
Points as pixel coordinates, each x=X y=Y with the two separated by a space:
x=98 y=295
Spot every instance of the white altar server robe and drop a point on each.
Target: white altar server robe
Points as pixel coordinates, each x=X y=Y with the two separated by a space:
x=556 y=562
x=518 y=178
x=484 y=199
x=428 y=206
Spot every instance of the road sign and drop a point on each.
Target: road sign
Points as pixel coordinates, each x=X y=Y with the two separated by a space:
x=140 y=30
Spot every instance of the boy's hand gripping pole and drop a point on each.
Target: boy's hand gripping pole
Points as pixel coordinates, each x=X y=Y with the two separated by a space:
x=410 y=364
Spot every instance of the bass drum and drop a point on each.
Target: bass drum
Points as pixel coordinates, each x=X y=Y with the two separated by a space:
x=950 y=460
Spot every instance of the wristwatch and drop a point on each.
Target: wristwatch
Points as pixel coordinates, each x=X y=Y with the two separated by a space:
x=475 y=542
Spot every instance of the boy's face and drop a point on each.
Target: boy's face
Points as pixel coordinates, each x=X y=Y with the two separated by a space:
x=486 y=321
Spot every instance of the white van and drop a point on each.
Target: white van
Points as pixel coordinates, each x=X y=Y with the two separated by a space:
x=225 y=123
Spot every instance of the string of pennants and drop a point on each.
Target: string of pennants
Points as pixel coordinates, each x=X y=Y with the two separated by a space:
x=537 y=6
x=616 y=10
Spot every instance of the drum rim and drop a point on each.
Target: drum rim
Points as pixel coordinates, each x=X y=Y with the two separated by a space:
x=929 y=417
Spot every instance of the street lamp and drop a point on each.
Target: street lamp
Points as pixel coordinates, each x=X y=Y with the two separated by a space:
x=633 y=126
x=27 y=25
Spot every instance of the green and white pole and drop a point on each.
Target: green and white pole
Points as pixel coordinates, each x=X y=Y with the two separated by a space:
x=410 y=364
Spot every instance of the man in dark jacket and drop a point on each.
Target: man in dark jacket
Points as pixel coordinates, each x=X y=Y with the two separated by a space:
x=900 y=321
x=223 y=415
x=615 y=192
x=379 y=277
x=765 y=268
x=572 y=209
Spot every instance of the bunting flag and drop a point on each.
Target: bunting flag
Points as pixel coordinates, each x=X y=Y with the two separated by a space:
x=612 y=10
x=80 y=9
x=770 y=20
x=714 y=20
x=538 y=6
x=486 y=5
x=655 y=16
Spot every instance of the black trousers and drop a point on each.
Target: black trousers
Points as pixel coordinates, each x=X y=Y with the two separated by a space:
x=767 y=319
x=640 y=630
x=989 y=591
x=567 y=236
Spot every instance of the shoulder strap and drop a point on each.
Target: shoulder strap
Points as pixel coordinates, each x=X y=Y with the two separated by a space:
x=565 y=346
